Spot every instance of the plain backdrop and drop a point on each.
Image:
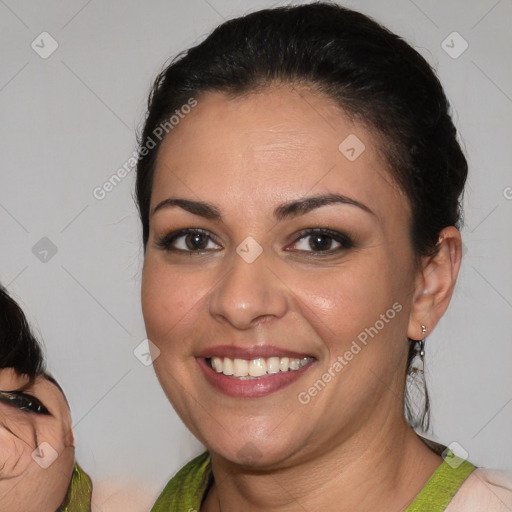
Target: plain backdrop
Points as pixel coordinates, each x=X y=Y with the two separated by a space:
x=68 y=122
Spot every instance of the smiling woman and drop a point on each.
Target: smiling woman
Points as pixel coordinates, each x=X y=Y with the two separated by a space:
x=314 y=188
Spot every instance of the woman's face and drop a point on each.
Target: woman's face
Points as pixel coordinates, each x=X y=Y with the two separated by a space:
x=254 y=285
x=36 y=450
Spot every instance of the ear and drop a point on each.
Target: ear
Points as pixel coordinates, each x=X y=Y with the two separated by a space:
x=435 y=283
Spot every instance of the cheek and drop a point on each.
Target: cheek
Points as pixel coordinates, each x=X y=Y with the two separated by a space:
x=343 y=302
x=15 y=451
x=169 y=300
x=356 y=312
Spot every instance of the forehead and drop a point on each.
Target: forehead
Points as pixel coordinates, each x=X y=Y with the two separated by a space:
x=283 y=141
x=10 y=379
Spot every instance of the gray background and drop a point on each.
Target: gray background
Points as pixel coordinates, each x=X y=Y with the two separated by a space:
x=69 y=122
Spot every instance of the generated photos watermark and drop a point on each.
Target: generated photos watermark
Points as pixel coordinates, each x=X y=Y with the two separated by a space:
x=100 y=192
x=306 y=396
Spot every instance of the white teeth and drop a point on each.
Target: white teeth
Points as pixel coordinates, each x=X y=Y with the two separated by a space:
x=217 y=364
x=240 y=368
x=294 y=364
x=258 y=367
x=228 y=368
x=273 y=365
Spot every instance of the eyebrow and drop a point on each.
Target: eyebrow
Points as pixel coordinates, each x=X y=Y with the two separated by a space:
x=284 y=211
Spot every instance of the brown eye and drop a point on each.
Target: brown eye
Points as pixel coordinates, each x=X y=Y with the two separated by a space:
x=196 y=241
x=321 y=240
x=187 y=240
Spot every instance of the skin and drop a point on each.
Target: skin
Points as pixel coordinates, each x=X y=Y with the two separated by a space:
x=123 y=495
x=350 y=447
x=25 y=486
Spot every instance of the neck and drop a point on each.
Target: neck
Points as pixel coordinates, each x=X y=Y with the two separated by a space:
x=374 y=469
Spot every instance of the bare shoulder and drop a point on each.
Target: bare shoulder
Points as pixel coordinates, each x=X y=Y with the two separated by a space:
x=484 y=489
x=123 y=495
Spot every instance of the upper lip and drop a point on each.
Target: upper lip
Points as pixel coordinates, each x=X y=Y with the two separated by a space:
x=254 y=352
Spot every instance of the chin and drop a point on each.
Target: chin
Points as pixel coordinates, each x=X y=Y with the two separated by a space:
x=253 y=453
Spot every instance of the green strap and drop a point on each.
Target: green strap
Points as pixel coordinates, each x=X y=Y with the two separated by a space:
x=78 y=498
x=442 y=486
x=185 y=491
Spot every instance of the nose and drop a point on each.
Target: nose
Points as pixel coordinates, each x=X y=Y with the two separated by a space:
x=248 y=294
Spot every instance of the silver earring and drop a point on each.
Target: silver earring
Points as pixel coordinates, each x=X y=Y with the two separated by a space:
x=422 y=342
x=421 y=351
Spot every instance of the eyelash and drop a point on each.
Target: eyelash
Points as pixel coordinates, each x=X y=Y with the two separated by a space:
x=23 y=402
x=346 y=242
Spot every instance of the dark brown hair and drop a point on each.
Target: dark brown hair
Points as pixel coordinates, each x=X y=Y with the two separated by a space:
x=19 y=349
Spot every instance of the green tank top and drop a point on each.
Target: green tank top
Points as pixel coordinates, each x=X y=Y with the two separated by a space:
x=78 y=497
x=184 y=492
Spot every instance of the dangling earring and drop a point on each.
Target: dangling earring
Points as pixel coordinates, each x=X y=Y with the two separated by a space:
x=422 y=344
x=421 y=350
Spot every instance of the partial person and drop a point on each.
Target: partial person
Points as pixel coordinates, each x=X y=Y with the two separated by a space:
x=38 y=472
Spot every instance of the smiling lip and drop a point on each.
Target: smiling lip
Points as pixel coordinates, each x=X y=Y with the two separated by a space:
x=255 y=387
